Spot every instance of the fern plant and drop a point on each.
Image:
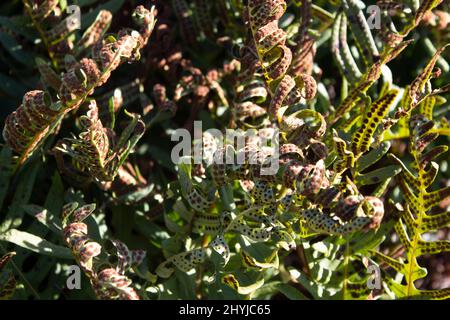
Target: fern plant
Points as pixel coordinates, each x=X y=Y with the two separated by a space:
x=348 y=117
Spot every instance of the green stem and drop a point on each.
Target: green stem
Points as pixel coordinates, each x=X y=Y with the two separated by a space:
x=416 y=238
x=346 y=260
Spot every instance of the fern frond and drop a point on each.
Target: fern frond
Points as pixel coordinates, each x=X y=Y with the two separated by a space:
x=361 y=31
x=97 y=151
x=107 y=282
x=372 y=118
x=37 y=117
x=417 y=219
x=341 y=50
x=275 y=56
x=95 y=31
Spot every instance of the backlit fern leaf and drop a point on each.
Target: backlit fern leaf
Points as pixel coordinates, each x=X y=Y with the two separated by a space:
x=368 y=79
x=417 y=219
x=371 y=119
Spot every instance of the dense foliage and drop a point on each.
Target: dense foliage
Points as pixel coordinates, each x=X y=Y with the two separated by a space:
x=357 y=207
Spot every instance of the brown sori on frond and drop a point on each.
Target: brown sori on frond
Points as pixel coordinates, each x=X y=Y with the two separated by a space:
x=361 y=140
x=96 y=31
x=304 y=51
x=369 y=78
x=27 y=127
x=92 y=149
x=417 y=89
x=76 y=236
x=53 y=30
x=303 y=59
x=275 y=57
x=30 y=122
x=355 y=214
x=291 y=90
x=108 y=283
x=307 y=194
x=304 y=128
x=263 y=17
x=250 y=90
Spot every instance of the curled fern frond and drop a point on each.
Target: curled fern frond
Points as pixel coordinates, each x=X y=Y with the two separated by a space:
x=275 y=57
x=110 y=282
x=26 y=129
x=97 y=151
x=26 y=126
x=95 y=32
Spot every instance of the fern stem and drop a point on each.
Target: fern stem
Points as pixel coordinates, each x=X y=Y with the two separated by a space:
x=411 y=252
x=346 y=256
